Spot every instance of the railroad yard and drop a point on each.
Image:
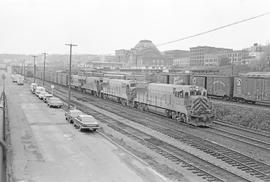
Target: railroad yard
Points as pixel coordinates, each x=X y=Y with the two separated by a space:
x=135 y=91
x=176 y=150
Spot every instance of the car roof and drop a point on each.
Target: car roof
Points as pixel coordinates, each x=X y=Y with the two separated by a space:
x=54 y=98
x=86 y=116
x=40 y=87
x=75 y=110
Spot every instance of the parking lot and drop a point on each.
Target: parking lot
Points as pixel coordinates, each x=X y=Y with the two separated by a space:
x=46 y=147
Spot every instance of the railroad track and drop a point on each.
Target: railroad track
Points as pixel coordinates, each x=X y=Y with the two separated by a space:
x=234 y=135
x=242 y=162
x=202 y=168
x=254 y=132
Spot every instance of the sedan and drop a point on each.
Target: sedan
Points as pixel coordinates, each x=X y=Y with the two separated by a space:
x=71 y=114
x=42 y=94
x=86 y=122
x=46 y=97
x=54 y=102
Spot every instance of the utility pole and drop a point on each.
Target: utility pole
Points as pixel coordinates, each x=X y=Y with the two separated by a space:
x=44 y=68
x=69 y=75
x=34 y=74
x=24 y=68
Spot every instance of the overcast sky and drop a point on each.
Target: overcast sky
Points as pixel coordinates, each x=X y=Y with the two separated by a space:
x=102 y=26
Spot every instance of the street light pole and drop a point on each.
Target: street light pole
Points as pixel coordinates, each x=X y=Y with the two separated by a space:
x=44 y=68
x=69 y=75
x=34 y=74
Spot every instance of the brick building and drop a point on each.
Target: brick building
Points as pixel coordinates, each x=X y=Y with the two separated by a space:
x=203 y=55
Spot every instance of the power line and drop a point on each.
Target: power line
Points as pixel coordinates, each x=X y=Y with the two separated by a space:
x=215 y=29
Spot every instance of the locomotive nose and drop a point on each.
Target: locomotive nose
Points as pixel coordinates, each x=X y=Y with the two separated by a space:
x=200 y=104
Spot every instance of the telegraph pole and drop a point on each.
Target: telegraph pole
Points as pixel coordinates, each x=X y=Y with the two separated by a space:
x=69 y=75
x=34 y=74
x=24 y=68
x=44 y=68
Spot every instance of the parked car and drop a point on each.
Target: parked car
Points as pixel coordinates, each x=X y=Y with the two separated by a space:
x=33 y=87
x=71 y=114
x=54 y=102
x=41 y=95
x=39 y=89
x=20 y=80
x=46 y=97
x=87 y=122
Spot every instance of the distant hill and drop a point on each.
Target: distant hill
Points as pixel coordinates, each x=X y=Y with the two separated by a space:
x=53 y=59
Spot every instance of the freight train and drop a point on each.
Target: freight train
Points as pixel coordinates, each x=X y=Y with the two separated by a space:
x=251 y=87
x=185 y=103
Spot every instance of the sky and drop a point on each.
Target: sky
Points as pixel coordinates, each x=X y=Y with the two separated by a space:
x=103 y=26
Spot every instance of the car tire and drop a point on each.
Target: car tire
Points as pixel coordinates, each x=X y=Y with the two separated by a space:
x=94 y=130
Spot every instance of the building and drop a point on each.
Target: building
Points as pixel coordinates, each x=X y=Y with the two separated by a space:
x=145 y=54
x=238 y=56
x=181 y=62
x=211 y=59
x=122 y=55
x=200 y=54
x=172 y=55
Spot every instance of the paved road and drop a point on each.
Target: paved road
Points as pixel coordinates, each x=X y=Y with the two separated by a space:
x=48 y=149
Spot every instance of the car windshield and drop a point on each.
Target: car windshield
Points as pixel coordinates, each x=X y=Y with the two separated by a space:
x=40 y=89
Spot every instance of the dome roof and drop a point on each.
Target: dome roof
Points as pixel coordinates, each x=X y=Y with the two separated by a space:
x=146 y=47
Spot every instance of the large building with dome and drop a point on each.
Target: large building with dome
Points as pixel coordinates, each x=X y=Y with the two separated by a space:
x=145 y=54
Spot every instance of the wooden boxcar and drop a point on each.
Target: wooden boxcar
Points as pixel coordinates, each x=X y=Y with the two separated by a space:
x=220 y=86
x=252 y=87
x=62 y=78
x=179 y=79
x=75 y=82
x=199 y=80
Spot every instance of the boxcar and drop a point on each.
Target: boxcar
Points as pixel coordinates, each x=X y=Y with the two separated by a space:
x=136 y=77
x=75 y=82
x=252 y=87
x=220 y=86
x=62 y=78
x=179 y=79
x=199 y=80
